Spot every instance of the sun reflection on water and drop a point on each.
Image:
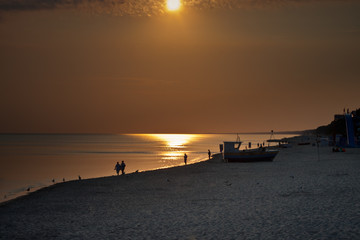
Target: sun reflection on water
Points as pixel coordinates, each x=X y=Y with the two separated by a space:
x=172 y=147
x=167 y=156
x=175 y=140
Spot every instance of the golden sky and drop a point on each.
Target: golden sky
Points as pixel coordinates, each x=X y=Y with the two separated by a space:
x=131 y=66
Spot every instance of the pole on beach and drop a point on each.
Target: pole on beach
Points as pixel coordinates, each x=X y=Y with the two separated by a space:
x=317 y=144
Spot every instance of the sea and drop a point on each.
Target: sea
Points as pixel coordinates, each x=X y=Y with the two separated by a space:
x=33 y=161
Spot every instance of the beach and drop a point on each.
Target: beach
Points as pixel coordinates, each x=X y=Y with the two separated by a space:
x=300 y=195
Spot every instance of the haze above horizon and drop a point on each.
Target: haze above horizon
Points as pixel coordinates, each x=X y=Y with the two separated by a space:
x=136 y=67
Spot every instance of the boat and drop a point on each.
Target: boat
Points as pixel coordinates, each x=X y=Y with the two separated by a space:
x=281 y=143
x=232 y=153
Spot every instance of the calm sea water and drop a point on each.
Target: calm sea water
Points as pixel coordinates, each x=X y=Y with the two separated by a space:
x=34 y=161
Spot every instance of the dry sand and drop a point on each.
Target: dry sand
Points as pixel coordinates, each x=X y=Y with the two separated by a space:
x=295 y=197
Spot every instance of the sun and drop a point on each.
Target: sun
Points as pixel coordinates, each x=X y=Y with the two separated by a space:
x=173 y=5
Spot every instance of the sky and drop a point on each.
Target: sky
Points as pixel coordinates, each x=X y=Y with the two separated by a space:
x=213 y=66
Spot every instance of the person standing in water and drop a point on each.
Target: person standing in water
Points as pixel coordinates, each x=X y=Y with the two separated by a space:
x=122 y=167
x=117 y=168
x=209 y=153
x=185 y=158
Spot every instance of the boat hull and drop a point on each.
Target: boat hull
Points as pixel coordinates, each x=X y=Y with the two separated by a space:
x=250 y=156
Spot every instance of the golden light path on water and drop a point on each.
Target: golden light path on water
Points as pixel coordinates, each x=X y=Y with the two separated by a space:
x=174 y=140
x=174 y=146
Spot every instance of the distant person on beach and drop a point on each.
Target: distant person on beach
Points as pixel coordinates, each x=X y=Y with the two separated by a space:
x=117 y=168
x=185 y=158
x=209 y=153
x=122 y=167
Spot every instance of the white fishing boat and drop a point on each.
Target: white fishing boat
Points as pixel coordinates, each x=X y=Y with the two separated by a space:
x=233 y=153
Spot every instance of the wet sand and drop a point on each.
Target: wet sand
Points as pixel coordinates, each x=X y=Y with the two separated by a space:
x=298 y=196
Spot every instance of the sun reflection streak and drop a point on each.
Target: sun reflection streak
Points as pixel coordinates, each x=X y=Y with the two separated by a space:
x=171 y=156
x=172 y=147
x=175 y=140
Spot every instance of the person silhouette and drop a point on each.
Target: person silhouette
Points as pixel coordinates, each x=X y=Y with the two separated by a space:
x=117 y=168
x=209 y=153
x=122 y=167
x=185 y=158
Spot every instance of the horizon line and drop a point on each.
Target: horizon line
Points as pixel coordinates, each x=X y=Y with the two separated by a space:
x=89 y=133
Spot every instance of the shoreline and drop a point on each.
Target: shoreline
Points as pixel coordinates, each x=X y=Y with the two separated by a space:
x=296 y=196
x=47 y=162
x=25 y=194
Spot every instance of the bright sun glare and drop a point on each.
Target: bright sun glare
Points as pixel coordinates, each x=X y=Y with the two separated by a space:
x=173 y=5
x=174 y=140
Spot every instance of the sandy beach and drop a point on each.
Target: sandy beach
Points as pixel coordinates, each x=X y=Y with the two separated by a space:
x=298 y=196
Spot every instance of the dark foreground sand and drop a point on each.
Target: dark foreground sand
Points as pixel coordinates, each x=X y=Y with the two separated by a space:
x=294 y=197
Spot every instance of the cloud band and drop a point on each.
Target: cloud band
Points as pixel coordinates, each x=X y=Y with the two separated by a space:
x=138 y=7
